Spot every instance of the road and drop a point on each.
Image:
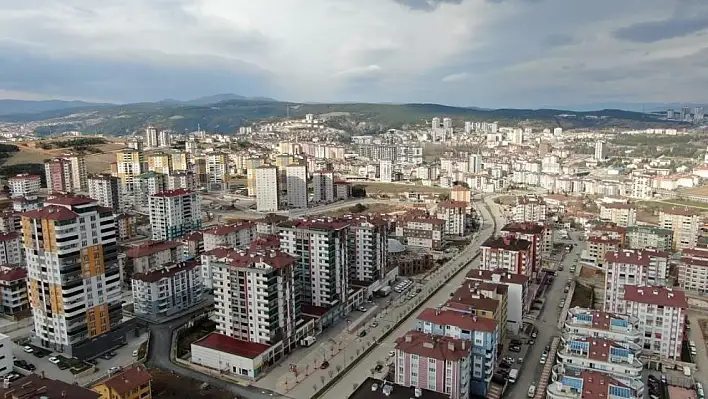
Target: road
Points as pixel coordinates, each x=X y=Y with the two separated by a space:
x=363 y=369
x=547 y=325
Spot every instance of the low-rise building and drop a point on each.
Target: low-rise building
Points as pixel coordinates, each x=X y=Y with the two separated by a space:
x=167 y=290
x=590 y=384
x=618 y=359
x=623 y=215
x=422 y=233
x=235 y=235
x=582 y=322
x=509 y=253
x=13 y=291
x=10 y=249
x=130 y=383
x=482 y=333
x=37 y=386
x=231 y=356
x=438 y=363
x=641 y=237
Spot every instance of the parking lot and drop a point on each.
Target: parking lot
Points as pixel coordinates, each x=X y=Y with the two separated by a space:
x=62 y=370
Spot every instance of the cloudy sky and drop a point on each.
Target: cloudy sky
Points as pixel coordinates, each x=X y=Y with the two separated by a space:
x=489 y=53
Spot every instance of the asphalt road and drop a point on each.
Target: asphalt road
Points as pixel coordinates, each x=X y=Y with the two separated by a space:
x=363 y=369
x=547 y=325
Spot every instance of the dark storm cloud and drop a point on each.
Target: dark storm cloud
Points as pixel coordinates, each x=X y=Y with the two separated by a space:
x=426 y=5
x=654 y=31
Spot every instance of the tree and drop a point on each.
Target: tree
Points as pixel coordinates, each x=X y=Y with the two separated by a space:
x=358 y=208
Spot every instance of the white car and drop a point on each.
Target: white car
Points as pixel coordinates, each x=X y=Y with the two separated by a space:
x=392 y=354
x=27 y=349
x=532 y=391
x=543 y=359
x=54 y=360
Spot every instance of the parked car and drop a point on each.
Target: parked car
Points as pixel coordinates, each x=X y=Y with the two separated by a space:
x=324 y=365
x=27 y=349
x=534 y=334
x=54 y=360
x=378 y=368
x=362 y=333
x=515 y=348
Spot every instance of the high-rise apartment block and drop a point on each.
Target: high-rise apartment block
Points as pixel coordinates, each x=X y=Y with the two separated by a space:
x=693 y=270
x=321 y=250
x=454 y=213
x=323 y=186
x=529 y=209
x=642 y=237
x=600 y=151
x=129 y=165
x=217 y=168
x=174 y=213
x=385 y=171
x=107 y=190
x=296 y=182
x=368 y=249
x=155 y=138
x=539 y=235
x=159 y=162
x=632 y=267
x=73 y=276
x=623 y=215
x=684 y=223
x=167 y=290
x=267 y=199
x=59 y=175
x=512 y=254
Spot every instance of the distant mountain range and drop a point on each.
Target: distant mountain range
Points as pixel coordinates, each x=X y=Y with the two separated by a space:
x=227 y=112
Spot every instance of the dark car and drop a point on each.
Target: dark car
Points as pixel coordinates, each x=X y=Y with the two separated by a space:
x=362 y=334
x=378 y=368
x=324 y=365
x=515 y=348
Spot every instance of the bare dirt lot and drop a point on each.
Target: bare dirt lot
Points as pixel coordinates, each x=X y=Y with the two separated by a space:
x=95 y=163
x=371 y=209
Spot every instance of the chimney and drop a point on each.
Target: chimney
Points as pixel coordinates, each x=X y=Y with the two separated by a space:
x=464 y=344
x=451 y=346
x=409 y=338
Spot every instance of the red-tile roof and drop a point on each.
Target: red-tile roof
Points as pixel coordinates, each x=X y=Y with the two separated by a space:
x=69 y=199
x=507 y=243
x=315 y=224
x=129 y=379
x=166 y=271
x=597 y=385
x=504 y=276
x=603 y=239
x=229 y=228
x=238 y=347
x=24 y=177
x=524 y=227
x=152 y=247
x=51 y=212
x=438 y=222
x=655 y=295
x=194 y=236
x=453 y=204
x=454 y=318
x=236 y=258
x=13 y=274
x=437 y=347
x=9 y=236
x=682 y=212
x=634 y=256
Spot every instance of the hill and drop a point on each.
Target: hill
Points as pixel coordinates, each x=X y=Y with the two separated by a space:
x=358 y=118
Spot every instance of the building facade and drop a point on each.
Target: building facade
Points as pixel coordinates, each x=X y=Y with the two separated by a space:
x=684 y=223
x=508 y=253
x=167 y=290
x=267 y=192
x=174 y=213
x=107 y=190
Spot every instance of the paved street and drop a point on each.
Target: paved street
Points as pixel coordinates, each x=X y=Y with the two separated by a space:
x=345 y=386
x=547 y=325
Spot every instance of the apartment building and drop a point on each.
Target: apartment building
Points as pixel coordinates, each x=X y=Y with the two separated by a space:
x=693 y=270
x=73 y=276
x=180 y=161
x=641 y=237
x=591 y=384
x=342 y=190
x=539 y=235
x=617 y=327
x=518 y=298
x=217 y=168
x=255 y=298
x=608 y=230
x=437 y=363
x=461 y=194
x=174 y=213
x=167 y=290
x=10 y=249
x=323 y=186
x=623 y=215
x=130 y=163
x=482 y=334
x=454 y=213
x=595 y=249
x=529 y=209
x=267 y=192
x=24 y=185
x=6 y=356
x=147 y=184
x=632 y=267
x=483 y=299
x=511 y=254
x=107 y=190
x=296 y=184
x=59 y=175
x=684 y=223
x=251 y=165
x=662 y=314
x=234 y=235
x=321 y=250
x=193 y=245
x=368 y=249
x=79 y=174
x=181 y=179
x=422 y=233
x=159 y=162
x=151 y=255
x=617 y=359
x=131 y=383
x=13 y=291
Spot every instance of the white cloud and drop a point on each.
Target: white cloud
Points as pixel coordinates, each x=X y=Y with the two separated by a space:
x=456 y=77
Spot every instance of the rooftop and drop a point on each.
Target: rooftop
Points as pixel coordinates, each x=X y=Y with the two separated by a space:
x=462 y=320
x=524 y=227
x=650 y=229
x=655 y=295
x=128 y=380
x=677 y=211
x=24 y=176
x=453 y=204
x=151 y=247
x=439 y=222
x=165 y=271
x=497 y=276
x=508 y=243
x=34 y=386
x=238 y=347
x=437 y=347
x=69 y=200
x=315 y=224
x=14 y=274
x=600 y=320
x=366 y=391
x=9 y=236
x=51 y=212
x=180 y=192
x=617 y=205
x=229 y=228
x=634 y=256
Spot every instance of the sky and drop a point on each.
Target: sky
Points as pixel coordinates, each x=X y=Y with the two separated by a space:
x=486 y=53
